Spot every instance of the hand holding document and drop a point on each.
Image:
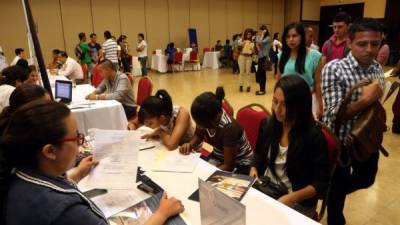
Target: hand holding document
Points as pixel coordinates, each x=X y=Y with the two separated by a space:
x=117 y=152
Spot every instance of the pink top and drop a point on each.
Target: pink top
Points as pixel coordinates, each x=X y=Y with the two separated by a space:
x=336 y=51
x=383 y=55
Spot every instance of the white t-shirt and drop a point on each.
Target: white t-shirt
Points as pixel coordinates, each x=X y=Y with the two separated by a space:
x=71 y=69
x=5 y=92
x=144 y=52
x=15 y=60
x=280 y=163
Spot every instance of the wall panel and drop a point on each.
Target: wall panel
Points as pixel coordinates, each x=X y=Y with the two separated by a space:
x=250 y=13
x=132 y=21
x=218 y=21
x=199 y=19
x=106 y=17
x=157 y=24
x=179 y=22
x=235 y=17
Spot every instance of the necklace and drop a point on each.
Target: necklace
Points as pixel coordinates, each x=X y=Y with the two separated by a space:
x=210 y=134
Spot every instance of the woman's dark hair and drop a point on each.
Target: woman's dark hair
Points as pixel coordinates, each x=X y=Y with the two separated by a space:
x=276 y=36
x=220 y=93
x=248 y=30
x=30 y=128
x=12 y=74
x=155 y=106
x=205 y=109
x=298 y=115
x=301 y=50
x=20 y=96
x=23 y=63
x=264 y=27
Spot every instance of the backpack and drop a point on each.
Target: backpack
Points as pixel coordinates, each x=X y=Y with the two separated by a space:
x=329 y=43
x=78 y=51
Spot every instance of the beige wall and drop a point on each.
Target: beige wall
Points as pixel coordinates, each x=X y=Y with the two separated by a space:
x=372 y=8
x=162 y=21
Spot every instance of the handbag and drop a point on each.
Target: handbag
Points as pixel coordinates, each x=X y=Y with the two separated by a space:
x=366 y=135
x=270 y=188
x=268 y=64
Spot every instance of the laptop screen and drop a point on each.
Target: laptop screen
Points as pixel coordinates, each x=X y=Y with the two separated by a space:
x=63 y=90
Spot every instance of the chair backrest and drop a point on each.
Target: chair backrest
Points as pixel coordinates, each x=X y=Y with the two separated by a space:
x=250 y=119
x=227 y=108
x=193 y=56
x=178 y=57
x=97 y=77
x=145 y=87
x=333 y=144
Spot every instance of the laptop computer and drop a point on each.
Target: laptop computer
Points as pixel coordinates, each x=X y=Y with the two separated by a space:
x=63 y=91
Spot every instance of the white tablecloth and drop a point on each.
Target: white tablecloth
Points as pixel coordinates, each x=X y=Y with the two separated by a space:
x=211 y=60
x=260 y=209
x=159 y=63
x=136 y=66
x=102 y=114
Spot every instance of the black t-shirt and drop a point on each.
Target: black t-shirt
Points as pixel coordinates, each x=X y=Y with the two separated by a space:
x=94 y=51
x=228 y=134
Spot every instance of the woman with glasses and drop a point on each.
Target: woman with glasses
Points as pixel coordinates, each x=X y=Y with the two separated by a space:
x=38 y=146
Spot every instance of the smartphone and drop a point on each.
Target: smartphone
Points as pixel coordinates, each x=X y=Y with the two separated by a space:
x=94 y=193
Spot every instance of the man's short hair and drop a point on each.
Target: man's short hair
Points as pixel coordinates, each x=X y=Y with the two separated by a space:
x=81 y=35
x=363 y=25
x=92 y=35
x=18 y=51
x=342 y=17
x=107 y=63
x=63 y=54
x=141 y=35
x=107 y=34
x=56 y=51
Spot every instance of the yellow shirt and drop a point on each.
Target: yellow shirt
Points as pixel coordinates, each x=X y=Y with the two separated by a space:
x=248 y=47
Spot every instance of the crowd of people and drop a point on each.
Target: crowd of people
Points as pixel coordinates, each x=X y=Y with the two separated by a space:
x=39 y=137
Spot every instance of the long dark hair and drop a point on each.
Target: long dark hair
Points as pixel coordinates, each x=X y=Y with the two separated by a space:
x=12 y=74
x=248 y=30
x=298 y=115
x=301 y=51
x=30 y=128
x=275 y=36
x=206 y=107
x=155 y=106
x=20 y=96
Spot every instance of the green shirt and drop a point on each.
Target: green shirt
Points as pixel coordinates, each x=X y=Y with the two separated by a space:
x=312 y=59
x=86 y=59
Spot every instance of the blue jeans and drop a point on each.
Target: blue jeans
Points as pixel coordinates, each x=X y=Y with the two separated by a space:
x=143 y=63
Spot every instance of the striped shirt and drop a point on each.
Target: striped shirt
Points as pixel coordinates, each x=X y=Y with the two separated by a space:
x=338 y=77
x=228 y=134
x=110 y=48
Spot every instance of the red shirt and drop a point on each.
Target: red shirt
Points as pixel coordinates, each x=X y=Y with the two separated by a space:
x=337 y=50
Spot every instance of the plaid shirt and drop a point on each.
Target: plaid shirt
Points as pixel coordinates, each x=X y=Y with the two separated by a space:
x=338 y=77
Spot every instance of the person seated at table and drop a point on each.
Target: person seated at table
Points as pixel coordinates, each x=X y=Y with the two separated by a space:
x=232 y=151
x=171 y=124
x=33 y=76
x=70 y=68
x=21 y=95
x=115 y=86
x=11 y=77
x=38 y=147
x=218 y=47
x=19 y=54
x=170 y=52
x=290 y=147
x=23 y=63
x=55 y=64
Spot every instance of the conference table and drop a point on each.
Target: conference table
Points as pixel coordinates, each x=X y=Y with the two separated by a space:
x=211 y=60
x=101 y=114
x=159 y=63
x=260 y=209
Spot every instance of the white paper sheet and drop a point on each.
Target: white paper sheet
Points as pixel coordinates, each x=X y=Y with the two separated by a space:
x=388 y=73
x=173 y=161
x=117 y=152
x=116 y=201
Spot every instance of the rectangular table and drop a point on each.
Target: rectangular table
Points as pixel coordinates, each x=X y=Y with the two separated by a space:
x=211 y=60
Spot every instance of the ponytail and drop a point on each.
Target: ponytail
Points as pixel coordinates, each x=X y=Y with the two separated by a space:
x=155 y=106
x=220 y=93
